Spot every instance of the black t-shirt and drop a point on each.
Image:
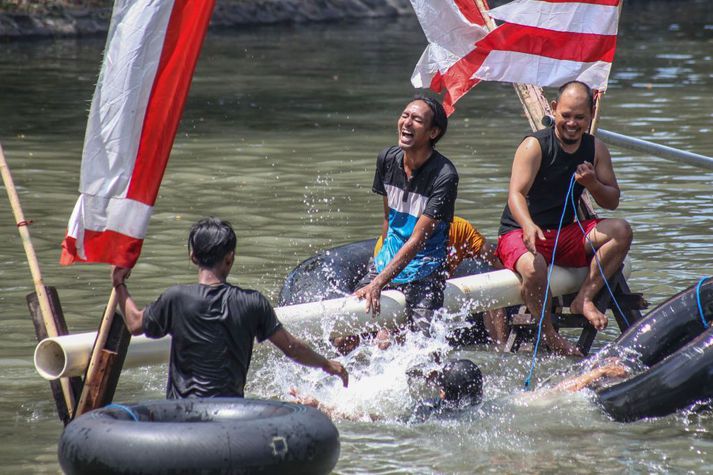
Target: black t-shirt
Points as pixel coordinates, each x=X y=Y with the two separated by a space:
x=212 y=330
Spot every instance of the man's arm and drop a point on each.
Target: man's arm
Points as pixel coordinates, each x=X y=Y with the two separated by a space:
x=133 y=317
x=525 y=165
x=599 y=179
x=297 y=350
x=372 y=292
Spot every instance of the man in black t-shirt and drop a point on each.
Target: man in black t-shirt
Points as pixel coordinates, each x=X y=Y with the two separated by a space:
x=213 y=323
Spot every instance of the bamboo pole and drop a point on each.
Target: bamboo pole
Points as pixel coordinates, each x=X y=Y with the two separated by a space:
x=43 y=298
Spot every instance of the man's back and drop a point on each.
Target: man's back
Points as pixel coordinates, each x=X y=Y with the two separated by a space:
x=213 y=328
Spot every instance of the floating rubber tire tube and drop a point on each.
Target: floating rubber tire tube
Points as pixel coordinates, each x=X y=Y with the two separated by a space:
x=678 y=351
x=218 y=435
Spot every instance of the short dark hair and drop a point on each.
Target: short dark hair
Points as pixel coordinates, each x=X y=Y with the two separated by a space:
x=439 y=119
x=210 y=240
x=461 y=379
x=587 y=89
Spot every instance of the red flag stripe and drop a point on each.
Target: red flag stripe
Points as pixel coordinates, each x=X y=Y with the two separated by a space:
x=579 y=47
x=471 y=11
x=184 y=39
x=103 y=246
x=608 y=3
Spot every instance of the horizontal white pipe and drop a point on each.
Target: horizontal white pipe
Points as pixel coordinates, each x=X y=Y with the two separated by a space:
x=657 y=150
x=67 y=356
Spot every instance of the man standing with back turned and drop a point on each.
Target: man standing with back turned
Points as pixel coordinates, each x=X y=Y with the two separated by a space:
x=542 y=168
x=213 y=323
x=419 y=186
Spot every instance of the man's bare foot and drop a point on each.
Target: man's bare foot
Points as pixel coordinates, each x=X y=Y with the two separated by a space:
x=559 y=345
x=591 y=313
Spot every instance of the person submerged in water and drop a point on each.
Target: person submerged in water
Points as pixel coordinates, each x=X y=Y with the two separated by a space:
x=459 y=384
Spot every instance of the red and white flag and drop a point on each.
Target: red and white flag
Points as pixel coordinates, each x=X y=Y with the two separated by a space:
x=542 y=42
x=550 y=42
x=452 y=28
x=151 y=52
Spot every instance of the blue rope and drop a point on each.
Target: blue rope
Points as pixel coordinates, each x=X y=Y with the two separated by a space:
x=533 y=363
x=698 y=299
x=599 y=264
x=126 y=409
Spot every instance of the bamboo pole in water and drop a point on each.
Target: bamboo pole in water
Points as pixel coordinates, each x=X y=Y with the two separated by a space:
x=43 y=299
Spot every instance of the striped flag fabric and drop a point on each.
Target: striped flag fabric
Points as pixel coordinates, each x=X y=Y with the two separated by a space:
x=550 y=42
x=452 y=27
x=151 y=52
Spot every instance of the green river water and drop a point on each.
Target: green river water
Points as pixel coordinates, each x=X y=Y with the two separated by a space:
x=279 y=136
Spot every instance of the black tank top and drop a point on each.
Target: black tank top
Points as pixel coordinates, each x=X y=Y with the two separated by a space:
x=547 y=194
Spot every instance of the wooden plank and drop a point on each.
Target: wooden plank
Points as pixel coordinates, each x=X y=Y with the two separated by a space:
x=103 y=367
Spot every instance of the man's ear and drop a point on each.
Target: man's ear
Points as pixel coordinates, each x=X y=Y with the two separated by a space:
x=193 y=259
x=229 y=258
x=434 y=132
x=554 y=105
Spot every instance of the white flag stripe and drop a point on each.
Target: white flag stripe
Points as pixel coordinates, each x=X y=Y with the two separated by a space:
x=450 y=35
x=134 y=48
x=96 y=213
x=569 y=17
x=414 y=204
x=509 y=66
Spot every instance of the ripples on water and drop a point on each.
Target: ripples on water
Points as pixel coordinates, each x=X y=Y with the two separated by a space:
x=283 y=144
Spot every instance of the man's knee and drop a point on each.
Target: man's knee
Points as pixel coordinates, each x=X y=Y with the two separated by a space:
x=531 y=268
x=621 y=231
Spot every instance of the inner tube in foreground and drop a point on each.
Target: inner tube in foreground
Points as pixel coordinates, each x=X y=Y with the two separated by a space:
x=676 y=349
x=217 y=435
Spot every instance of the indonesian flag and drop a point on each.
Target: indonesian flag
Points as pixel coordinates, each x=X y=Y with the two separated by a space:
x=151 y=53
x=550 y=42
x=452 y=28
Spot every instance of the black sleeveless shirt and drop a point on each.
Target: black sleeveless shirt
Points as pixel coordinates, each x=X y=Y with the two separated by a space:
x=546 y=197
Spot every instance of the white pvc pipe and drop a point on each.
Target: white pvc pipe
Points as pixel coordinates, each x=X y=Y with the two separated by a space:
x=66 y=356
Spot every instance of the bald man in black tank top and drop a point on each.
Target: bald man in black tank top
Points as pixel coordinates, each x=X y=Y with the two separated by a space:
x=541 y=172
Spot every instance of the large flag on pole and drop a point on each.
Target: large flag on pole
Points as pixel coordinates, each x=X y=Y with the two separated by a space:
x=151 y=52
x=452 y=28
x=550 y=42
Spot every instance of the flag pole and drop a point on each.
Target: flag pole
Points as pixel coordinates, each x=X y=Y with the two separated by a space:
x=50 y=326
x=532 y=98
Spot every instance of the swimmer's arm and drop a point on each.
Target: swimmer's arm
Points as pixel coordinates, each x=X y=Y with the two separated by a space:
x=580 y=382
x=330 y=411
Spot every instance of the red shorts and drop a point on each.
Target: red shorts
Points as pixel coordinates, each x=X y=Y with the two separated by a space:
x=571 y=250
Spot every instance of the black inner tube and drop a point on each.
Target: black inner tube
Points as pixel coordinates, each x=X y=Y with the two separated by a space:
x=220 y=435
x=673 y=345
